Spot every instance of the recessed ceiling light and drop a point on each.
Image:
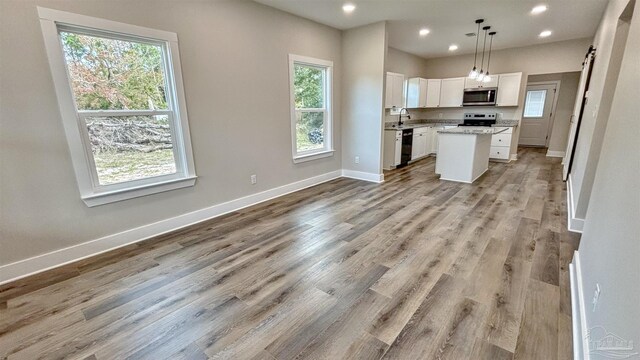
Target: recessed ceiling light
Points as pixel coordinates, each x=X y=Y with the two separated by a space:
x=539 y=9
x=453 y=47
x=545 y=33
x=348 y=8
x=424 y=32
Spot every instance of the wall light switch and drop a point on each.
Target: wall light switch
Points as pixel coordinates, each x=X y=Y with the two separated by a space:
x=254 y=179
x=357 y=160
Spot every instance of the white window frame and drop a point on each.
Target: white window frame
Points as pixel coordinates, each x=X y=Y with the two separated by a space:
x=91 y=192
x=327 y=150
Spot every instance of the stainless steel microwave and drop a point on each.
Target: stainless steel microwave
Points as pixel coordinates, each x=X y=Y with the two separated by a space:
x=480 y=97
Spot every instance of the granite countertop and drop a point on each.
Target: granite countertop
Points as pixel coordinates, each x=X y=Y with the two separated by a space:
x=507 y=123
x=472 y=130
x=412 y=124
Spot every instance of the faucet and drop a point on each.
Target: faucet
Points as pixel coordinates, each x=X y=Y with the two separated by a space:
x=400 y=115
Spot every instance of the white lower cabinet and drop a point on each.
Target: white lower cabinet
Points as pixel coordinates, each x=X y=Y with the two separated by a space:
x=419 y=146
x=497 y=152
x=501 y=145
x=392 y=149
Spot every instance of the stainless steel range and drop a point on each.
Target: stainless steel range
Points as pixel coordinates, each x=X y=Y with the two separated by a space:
x=479 y=119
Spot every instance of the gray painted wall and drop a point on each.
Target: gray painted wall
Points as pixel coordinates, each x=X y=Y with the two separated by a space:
x=596 y=111
x=564 y=108
x=401 y=62
x=555 y=57
x=235 y=68
x=610 y=245
x=363 y=55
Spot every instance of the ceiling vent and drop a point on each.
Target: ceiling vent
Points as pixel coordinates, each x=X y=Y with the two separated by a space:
x=470 y=34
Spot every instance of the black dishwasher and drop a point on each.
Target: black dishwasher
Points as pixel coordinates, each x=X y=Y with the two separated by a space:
x=407 y=143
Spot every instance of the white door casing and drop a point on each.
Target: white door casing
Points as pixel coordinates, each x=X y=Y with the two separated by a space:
x=537 y=114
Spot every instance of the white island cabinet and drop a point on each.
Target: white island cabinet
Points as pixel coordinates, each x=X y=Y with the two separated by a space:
x=463 y=153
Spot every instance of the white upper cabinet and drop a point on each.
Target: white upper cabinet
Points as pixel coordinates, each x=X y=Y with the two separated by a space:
x=509 y=89
x=473 y=83
x=416 y=93
x=451 y=92
x=433 y=93
x=394 y=91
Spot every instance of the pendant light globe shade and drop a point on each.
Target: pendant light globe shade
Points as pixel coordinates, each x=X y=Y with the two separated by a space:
x=480 y=76
x=473 y=73
x=486 y=78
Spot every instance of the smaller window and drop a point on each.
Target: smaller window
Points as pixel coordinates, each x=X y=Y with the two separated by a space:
x=534 y=103
x=310 y=86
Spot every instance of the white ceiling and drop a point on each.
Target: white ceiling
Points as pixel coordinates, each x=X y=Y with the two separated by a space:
x=450 y=20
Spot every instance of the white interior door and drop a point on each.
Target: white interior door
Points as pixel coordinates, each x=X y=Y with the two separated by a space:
x=577 y=113
x=538 y=105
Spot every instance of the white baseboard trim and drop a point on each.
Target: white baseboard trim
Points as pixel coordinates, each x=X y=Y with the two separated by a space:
x=359 y=175
x=578 y=317
x=573 y=223
x=559 y=154
x=23 y=268
x=513 y=157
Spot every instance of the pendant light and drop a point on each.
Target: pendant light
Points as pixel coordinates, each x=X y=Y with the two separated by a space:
x=480 y=76
x=487 y=77
x=474 y=72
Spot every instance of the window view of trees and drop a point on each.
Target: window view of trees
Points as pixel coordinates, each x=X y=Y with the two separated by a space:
x=309 y=92
x=117 y=75
x=109 y=74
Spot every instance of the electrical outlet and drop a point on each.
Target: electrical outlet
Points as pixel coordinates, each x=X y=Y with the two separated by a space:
x=596 y=296
x=254 y=179
x=357 y=160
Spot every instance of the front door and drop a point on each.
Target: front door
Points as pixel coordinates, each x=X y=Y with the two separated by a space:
x=537 y=115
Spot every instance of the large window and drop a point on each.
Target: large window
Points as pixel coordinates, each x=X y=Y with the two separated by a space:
x=310 y=82
x=120 y=94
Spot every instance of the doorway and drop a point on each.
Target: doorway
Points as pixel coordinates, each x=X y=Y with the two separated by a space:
x=538 y=114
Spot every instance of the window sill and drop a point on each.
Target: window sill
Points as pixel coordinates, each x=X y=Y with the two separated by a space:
x=134 y=192
x=314 y=156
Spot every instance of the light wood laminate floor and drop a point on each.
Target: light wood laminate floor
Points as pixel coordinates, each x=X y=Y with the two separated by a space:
x=414 y=268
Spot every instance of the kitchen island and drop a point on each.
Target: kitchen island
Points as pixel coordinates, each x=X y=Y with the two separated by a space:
x=463 y=152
